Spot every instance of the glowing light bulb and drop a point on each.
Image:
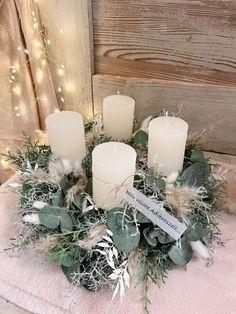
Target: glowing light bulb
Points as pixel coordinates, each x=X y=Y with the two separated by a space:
x=48 y=41
x=17 y=90
x=56 y=110
x=19 y=48
x=62 y=99
x=43 y=62
x=39 y=76
x=18 y=114
x=60 y=72
x=59 y=89
x=69 y=86
x=16 y=107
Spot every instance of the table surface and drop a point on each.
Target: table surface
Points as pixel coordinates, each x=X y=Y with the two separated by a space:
x=30 y=284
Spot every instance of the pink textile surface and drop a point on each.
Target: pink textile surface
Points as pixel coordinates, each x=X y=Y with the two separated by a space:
x=40 y=287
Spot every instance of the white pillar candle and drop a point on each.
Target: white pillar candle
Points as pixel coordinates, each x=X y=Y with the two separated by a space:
x=166 y=144
x=65 y=131
x=118 y=116
x=113 y=166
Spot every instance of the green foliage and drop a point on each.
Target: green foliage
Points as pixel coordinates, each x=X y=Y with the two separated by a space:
x=196 y=175
x=126 y=235
x=53 y=216
x=140 y=139
x=131 y=230
x=33 y=156
x=181 y=253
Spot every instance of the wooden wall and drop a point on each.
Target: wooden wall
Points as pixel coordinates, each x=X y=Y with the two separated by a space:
x=167 y=53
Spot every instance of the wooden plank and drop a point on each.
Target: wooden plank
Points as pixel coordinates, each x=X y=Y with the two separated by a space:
x=68 y=26
x=7 y=307
x=203 y=106
x=184 y=40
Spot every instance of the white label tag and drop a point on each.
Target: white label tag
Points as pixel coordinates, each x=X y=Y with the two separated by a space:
x=155 y=212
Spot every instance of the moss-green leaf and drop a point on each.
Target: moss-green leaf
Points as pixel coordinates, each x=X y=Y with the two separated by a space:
x=157 y=183
x=181 y=254
x=125 y=235
x=197 y=156
x=65 y=221
x=49 y=217
x=141 y=139
x=196 y=174
x=57 y=198
x=164 y=238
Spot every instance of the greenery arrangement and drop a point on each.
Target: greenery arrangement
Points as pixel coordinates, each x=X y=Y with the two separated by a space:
x=95 y=247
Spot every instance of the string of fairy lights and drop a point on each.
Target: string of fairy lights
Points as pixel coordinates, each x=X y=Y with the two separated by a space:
x=37 y=56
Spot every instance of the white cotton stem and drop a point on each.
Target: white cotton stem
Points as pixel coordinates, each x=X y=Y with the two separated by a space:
x=39 y=204
x=200 y=249
x=172 y=178
x=67 y=168
x=32 y=219
x=145 y=124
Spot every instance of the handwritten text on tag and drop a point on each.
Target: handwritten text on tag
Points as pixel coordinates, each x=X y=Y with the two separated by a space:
x=155 y=212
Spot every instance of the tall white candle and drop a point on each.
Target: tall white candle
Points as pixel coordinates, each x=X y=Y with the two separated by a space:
x=113 y=166
x=65 y=131
x=166 y=144
x=118 y=116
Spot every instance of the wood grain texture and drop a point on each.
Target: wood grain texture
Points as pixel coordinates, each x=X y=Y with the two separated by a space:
x=7 y=307
x=176 y=40
x=69 y=26
x=203 y=106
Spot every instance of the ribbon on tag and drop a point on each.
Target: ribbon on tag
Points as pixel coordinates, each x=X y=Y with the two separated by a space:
x=155 y=212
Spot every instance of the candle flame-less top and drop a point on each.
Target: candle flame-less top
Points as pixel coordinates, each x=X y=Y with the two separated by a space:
x=167 y=140
x=66 y=135
x=118 y=115
x=112 y=161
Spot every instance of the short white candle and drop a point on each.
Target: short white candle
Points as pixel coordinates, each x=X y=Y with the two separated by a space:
x=113 y=166
x=65 y=131
x=118 y=116
x=166 y=144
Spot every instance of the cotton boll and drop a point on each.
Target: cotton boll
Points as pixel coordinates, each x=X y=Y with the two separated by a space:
x=77 y=168
x=200 y=249
x=67 y=168
x=172 y=178
x=39 y=204
x=31 y=219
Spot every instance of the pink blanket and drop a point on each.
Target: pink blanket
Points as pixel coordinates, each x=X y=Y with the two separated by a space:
x=40 y=287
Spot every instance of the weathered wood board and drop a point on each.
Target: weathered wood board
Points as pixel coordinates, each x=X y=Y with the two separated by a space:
x=176 y=40
x=69 y=26
x=204 y=106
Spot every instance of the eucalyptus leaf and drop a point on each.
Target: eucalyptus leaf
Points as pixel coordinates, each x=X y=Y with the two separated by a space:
x=49 y=217
x=157 y=183
x=125 y=234
x=57 y=198
x=164 y=238
x=65 y=220
x=52 y=216
x=181 y=254
x=141 y=139
x=195 y=175
x=150 y=239
x=195 y=232
x=197 y=156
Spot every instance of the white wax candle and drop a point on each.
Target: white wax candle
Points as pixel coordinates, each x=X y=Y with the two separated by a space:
x=166 y=144
x=113 y=166
x=65 y=131
x=118 y=116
